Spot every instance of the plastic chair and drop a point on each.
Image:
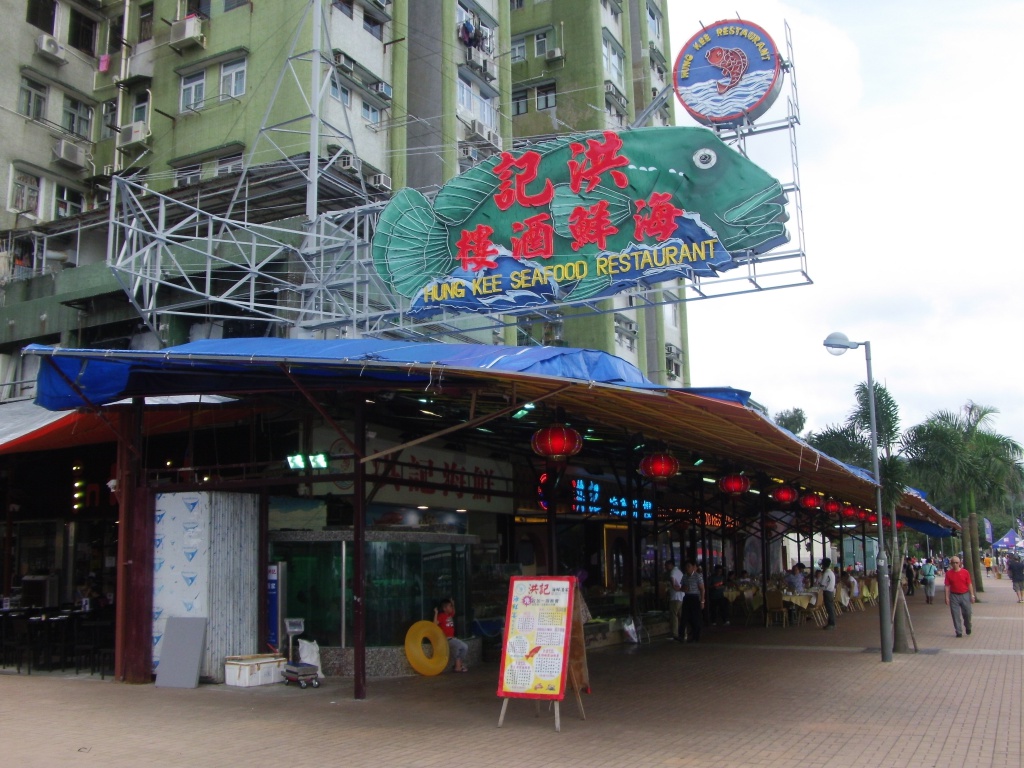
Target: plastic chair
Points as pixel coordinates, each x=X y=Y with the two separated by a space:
x=776 y=608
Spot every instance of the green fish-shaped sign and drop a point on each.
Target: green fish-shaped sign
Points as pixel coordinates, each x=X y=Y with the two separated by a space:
x=579 y=217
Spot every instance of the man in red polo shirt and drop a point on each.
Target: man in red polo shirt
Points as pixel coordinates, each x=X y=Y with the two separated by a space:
x=959 y=595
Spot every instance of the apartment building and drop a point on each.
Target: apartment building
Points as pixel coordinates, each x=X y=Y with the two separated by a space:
x=217 y=106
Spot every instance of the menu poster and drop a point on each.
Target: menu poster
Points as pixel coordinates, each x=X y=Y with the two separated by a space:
x=538 y=625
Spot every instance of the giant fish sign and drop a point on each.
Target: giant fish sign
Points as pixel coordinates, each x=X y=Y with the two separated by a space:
x=579 y=217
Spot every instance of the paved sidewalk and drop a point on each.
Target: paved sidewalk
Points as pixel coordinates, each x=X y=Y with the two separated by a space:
x=744 y=696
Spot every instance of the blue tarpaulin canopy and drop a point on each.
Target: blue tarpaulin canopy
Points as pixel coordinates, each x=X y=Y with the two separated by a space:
x=587 y=383
x=1009 y=541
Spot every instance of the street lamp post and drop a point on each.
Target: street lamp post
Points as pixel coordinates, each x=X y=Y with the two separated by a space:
x=838 y=344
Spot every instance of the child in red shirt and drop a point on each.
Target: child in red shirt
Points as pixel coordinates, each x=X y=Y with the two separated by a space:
x=445 y=619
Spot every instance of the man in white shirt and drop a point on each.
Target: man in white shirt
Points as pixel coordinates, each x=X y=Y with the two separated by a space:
x=827 y=582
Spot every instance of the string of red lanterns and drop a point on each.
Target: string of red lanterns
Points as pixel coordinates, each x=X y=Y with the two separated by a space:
x=783 y=494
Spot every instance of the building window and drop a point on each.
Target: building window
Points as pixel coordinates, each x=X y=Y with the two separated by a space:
x=540 y=44
x=614 y=63
x=345 y=6
x=232 y=79
x=188 y=175
x=518 y=50
x=519 y=103
x=145 y=22
x=77 y=117
x=67 y=202
x=371 y=114
x=25 y=195
x=230 y=5
x=546 y=96
x=465 y=96
x=193 y=88
x=32 y=99
x=653 y=24
x=374 y=27
x=140 y=112
x=229 y=165
x=108 y=119
x=198 y=8
x=42 y=14
x=517 y=5
x=340 y=92
x=82 y=32
x=115 y=34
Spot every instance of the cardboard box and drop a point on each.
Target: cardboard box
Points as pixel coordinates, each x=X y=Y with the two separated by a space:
x=257 y=669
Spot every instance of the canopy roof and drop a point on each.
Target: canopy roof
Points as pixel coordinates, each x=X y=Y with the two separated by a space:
x=586 y=385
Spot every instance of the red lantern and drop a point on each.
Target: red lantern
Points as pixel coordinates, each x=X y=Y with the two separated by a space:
x=783 y=494
x=659 y=466
x=734 y=485
x=899 y=525
x=872 y=518
x=810 y=501
x=862 y=515
x=849 y=510
x=557 y=442
x=831 y=507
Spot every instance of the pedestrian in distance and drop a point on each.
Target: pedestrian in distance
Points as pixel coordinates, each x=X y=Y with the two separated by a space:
x=693 y=601
x=928 y=580
x=959 y=596
x=827 y=582
x=1015 y=567
x=675 y=599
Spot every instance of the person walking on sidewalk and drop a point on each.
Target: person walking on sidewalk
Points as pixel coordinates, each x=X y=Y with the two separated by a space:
x=675 y=599
x=928 y=580
x=827 y=582
x=959 y=596
x=1015 y=567
x=693 y=601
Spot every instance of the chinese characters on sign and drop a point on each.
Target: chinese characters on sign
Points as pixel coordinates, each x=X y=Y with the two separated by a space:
x=537 y=632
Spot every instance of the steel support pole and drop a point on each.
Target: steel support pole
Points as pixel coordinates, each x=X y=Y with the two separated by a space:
x=884 y=607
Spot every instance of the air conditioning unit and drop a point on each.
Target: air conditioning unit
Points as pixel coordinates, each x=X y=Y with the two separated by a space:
x=382 y=88
x=494 y=139
x=108 y=170
x=609 y=88
x=467 y=152
x=553 y=54
x=349 y=163
x=344 y=62
x=187 y=33
x=381 y=181
x=672 y=350
x=48 y=48
x=474 y=58
x=479 y=130
x=70 y=154
x=488 y=70
x=133 y=134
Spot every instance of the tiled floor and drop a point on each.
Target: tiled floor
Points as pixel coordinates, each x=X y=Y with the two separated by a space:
x=742 y=697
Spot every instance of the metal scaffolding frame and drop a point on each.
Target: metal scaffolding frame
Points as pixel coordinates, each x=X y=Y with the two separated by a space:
x=313 y=273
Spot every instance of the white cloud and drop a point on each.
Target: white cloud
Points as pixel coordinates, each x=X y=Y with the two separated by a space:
x=911 y=176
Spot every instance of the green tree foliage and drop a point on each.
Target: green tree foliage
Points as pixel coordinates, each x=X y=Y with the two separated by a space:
x=793 y=419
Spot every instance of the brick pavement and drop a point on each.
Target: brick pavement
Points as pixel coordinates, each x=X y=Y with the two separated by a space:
x=744 y=696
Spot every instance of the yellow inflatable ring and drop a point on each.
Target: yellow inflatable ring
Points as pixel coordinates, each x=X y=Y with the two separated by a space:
x=426 y=631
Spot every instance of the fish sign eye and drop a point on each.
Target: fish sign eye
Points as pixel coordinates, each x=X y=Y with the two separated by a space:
x=705 y=158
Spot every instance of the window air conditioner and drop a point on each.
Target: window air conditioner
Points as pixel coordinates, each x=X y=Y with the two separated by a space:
x=48 y=48
x=382 y=88
x=344 y=62
x=187 y=32
x=469 y=153
x=381 y=181
x=133 y=134
x=69 y=154
x=494 y=139
x=478 y=129
x=553 y=54
x=474 y=58
x=349 y=163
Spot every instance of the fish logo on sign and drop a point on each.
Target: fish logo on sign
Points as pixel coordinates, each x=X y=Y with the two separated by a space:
x=728 y=74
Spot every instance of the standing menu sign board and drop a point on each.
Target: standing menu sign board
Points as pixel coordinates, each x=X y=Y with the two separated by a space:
x=538 y=625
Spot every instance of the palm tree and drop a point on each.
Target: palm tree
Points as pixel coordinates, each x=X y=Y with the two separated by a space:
x=963 y=463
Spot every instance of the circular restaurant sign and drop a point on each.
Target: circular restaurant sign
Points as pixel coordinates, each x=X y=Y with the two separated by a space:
x=728 y=73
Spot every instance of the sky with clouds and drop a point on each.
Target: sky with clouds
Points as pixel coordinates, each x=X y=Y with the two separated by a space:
x=912 y=179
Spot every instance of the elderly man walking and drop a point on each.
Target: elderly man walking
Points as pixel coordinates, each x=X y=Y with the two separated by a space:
x=959 y=596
